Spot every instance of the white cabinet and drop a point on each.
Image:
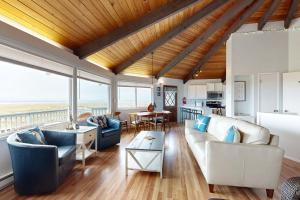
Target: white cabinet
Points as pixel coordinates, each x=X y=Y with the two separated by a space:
x=201 y=92
x=291 y=92
x=192 y=92
x=210 y=86
x=218 y=87
x=197 y=92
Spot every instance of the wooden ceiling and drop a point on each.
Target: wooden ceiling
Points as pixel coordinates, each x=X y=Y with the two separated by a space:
x=76 y=23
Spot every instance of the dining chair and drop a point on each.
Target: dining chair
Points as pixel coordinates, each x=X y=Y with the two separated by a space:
x=158 y=120
x=135 y=122
x=124 y=123
x=167 y=120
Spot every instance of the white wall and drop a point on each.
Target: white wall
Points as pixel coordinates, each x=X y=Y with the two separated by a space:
x=245 y=107
x=287 y=128
x=171 y=82
x=251 y=52
x=294 y=50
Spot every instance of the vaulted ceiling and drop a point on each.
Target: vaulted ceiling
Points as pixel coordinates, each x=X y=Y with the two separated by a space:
x=133 y=29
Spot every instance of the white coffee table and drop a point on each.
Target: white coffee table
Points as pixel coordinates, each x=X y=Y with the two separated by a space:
x=146 y=154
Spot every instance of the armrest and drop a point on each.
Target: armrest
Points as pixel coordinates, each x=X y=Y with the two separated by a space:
x=114 y=123
x=38 y=163
x=243 y=164
x=189 y=123
x=59 y=138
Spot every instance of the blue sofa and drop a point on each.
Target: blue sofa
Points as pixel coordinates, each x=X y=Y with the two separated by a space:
x=107 y=137
x=40 y=169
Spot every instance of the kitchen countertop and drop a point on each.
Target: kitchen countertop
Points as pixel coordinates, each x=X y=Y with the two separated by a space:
x=193 y=107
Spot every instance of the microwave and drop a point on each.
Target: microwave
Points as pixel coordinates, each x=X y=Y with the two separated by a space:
x=214 y=95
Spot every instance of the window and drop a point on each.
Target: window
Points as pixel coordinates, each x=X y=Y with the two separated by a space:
x=134 y=97
x=93 y=97
x=31 y=97
x=143 y=97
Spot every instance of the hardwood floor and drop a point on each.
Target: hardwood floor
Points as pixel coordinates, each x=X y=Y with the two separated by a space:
x=104 y=177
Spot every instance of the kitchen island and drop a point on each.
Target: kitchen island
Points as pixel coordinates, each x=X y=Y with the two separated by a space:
x=190 y=112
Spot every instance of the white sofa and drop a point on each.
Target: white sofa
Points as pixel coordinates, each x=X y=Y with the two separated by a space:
x=255 y=162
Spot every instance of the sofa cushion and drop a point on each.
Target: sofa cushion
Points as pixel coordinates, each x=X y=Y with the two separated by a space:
x=32 y=136
x=194 y=136
x=201 y=123
x=232 y=135
x=252 y=133
x=64 y=153
x=109 y=132
x=219 y=125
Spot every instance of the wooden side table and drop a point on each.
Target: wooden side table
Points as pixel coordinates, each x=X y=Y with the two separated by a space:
x=86 y=136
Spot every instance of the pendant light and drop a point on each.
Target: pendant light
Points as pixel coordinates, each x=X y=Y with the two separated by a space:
x=152 y=73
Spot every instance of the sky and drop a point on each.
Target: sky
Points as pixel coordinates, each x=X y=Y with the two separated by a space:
x=23 y=84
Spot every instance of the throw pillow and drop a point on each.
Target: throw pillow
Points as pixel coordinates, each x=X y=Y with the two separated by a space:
x=202 y=123
x=232 y=135
x=32 y=136
x=102 y=121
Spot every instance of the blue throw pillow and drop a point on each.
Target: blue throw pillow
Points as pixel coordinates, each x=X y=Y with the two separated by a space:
x=32 y=136
x=202 y=123
x=232 y=135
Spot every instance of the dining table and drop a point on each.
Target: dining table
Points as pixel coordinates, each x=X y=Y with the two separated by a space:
x=146 y=116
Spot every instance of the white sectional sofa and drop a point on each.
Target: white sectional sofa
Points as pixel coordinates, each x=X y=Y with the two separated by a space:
x=255 y=162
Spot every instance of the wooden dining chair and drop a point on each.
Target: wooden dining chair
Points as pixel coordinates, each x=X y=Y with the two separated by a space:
x=158 y=120
x=124 y=123
x=167 y=120
x=135 y=122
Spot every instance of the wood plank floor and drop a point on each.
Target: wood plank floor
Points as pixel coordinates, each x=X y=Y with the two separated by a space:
x=104 y=177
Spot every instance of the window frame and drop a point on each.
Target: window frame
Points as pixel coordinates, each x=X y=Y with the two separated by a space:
x=135 y=97
x=94 y=81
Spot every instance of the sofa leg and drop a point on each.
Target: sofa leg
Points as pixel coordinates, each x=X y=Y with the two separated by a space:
x=270 y=193
x=211 y=188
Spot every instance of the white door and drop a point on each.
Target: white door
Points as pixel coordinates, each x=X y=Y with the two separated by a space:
x=268 y=92
x=291 y=92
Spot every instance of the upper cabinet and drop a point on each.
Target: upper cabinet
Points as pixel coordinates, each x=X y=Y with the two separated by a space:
x=217 y=87
x=191 y=92
x=200 y=91
x=210 y=86
x=291 y=92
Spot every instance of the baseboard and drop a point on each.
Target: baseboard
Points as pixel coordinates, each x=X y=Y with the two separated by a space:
x=293 y=159
x=6 y=180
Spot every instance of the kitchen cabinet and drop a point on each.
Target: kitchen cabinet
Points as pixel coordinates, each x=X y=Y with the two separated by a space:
x=214 y=87
x=210 y=86
x=201 y=92
x=291 y=92
x=218 y=87
x=191 y=92
x=197 y=92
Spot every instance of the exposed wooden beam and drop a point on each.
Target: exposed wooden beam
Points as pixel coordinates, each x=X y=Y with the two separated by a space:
x=235 y=26
x=291 y=11
x=221 y=21
x=178 y=29
x=165 y=11
x=268 y=13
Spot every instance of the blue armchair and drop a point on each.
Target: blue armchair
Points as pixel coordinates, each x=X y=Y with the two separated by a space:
x=107 y=137
x=41 y=169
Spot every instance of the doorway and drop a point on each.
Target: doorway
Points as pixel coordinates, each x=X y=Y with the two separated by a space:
x=170 y=101
x=268 y=96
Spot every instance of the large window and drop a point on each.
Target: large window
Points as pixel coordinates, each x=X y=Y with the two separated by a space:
x=93 y=97
x=134 y=97
x=31 y=97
